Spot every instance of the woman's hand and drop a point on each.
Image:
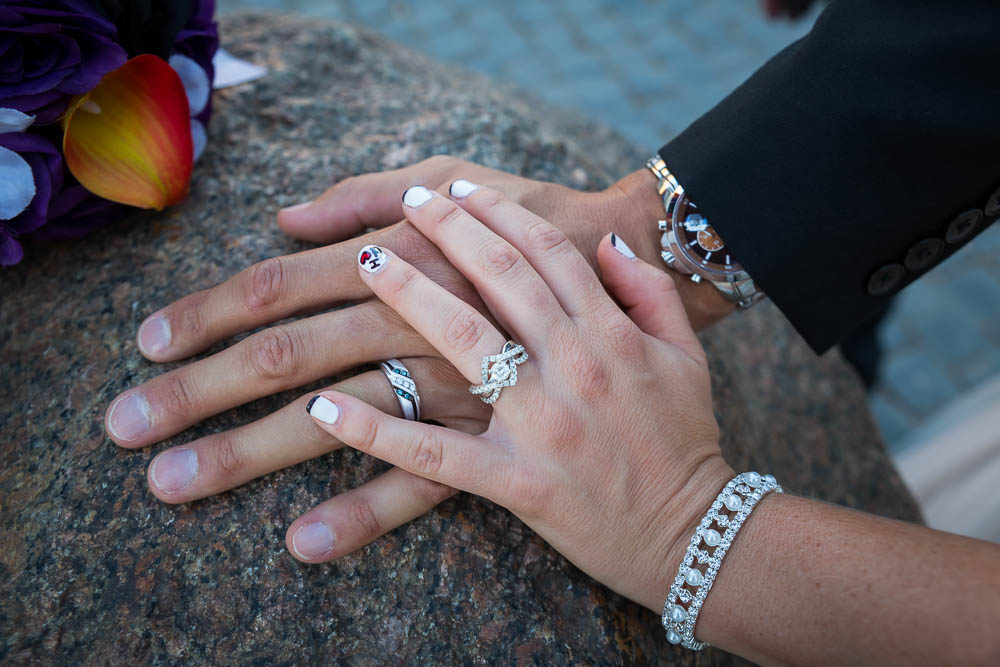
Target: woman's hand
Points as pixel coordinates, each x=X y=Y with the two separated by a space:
x=606 y=445
x=294 y=354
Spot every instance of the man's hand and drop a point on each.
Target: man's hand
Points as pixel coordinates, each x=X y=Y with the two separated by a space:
x=294 y=354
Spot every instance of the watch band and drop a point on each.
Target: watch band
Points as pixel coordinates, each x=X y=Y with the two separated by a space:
x=739 y=289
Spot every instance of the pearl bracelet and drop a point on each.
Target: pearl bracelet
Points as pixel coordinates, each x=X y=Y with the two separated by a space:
x=691 y=585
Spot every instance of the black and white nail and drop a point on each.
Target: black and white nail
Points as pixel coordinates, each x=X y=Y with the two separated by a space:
x=323 y=409
x=417 y=196
x=618 y=244
x=462 y=188
x=372 y=258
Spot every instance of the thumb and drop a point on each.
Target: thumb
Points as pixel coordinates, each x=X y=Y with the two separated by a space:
x=647 y=294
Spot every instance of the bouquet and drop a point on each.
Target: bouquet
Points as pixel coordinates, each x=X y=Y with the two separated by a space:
x=103 y=106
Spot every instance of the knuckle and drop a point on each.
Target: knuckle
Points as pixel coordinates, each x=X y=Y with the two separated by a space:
x=499 y=259
x=545 y=238
x=590 y=379
x=362 y=514
x=445 y=213
x=426 y=456
x=368 y=435
x=403 y=281
x=230 y=456
x=193 y=315
x=271 y=354
x=464 y=330
x=175 y=396
x=624 y=335
x=264 y=284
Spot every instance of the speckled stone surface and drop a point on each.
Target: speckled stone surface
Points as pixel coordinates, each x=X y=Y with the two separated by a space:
x=95 y=570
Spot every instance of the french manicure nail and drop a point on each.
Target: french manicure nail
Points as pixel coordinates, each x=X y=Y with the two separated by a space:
x=313 y=540
x=618 y=244
x=323 y=409
x=154 y=335
x=174 y=469
x=129 y=418
x=417 y=196
x=462 y=188
x=372 y=258
x=296 y=207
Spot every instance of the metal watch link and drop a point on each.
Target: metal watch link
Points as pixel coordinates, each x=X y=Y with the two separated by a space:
x=692 y=247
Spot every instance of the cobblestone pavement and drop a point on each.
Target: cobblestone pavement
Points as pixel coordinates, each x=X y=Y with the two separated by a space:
x=648 y=68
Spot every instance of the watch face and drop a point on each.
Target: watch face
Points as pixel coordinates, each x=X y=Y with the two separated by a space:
x=701 y=245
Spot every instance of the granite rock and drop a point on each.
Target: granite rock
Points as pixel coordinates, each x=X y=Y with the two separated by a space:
x=95 y=570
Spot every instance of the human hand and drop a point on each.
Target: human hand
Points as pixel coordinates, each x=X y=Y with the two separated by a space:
x=607 y=445
x=291 y=355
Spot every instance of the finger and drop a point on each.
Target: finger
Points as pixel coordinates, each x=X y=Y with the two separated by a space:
x=223 y=461
x=263 y=293
x=273 y=360
x=510 y=286
x=459 y=332
x=647 y=294
x=368 y=200
x=353 y=519
x=442 y=455
x=546 y=247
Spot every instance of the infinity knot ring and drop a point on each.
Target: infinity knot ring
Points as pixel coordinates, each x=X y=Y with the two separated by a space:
x=404 y=387
x=499 y=371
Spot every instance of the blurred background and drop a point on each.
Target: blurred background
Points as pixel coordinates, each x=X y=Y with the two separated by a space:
x=650 y=67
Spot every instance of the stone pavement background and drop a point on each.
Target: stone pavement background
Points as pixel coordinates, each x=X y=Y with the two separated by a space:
x=648 y=68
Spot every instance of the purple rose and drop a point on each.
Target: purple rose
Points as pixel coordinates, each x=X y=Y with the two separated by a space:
x=51 y=50
x=199 y=40
x=48 y=171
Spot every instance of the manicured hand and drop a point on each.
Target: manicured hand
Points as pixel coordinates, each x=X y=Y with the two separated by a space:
x=606 y=446
x=305 y=350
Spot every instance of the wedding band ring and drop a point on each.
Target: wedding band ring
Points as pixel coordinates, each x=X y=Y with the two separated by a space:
x=499 y=371
x=404 y=387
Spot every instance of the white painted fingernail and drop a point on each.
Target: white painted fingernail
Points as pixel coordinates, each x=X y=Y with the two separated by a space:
x=462 y=188
x=323 y=409
x=618 y=244
x=372 y=258
x=417 y=196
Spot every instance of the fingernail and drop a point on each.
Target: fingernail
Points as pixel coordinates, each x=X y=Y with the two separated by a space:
x=417 y=196
x=372 y=258
x=313 y=540
x=174 y=469
x=296 y=207
x=323 y=409
x=129 y=418
x=154 y=335
x=618 y=244
x=462 y=188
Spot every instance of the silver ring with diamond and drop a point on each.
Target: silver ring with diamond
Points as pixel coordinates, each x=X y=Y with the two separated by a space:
x=499 y=371
x=404 y=387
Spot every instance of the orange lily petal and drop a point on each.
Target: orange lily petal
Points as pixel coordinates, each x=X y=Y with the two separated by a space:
x=129 y=139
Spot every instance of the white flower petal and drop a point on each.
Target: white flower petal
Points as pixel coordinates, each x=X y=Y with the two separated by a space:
x=17 y=184
x=195 y=80
x=198 y=137
x=231 y=71
x=12 y=120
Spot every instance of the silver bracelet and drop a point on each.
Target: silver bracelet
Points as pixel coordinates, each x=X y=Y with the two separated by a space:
x=691 y=585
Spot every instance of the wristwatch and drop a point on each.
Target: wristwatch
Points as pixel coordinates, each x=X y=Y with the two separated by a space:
x=692 y=247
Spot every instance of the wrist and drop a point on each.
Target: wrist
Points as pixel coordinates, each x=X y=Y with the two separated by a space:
x=677 y=523
x=638 y=206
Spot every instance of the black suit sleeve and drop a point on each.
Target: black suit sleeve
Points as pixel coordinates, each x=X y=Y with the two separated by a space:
x=857 y=158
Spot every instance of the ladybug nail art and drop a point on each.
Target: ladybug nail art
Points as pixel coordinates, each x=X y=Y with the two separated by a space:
x=372 y=258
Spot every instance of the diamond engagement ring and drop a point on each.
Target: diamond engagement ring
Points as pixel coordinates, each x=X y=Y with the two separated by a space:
x=499 y=371
x=404 y=387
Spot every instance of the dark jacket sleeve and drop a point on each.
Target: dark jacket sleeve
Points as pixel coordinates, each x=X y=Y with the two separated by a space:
x=856 y=159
